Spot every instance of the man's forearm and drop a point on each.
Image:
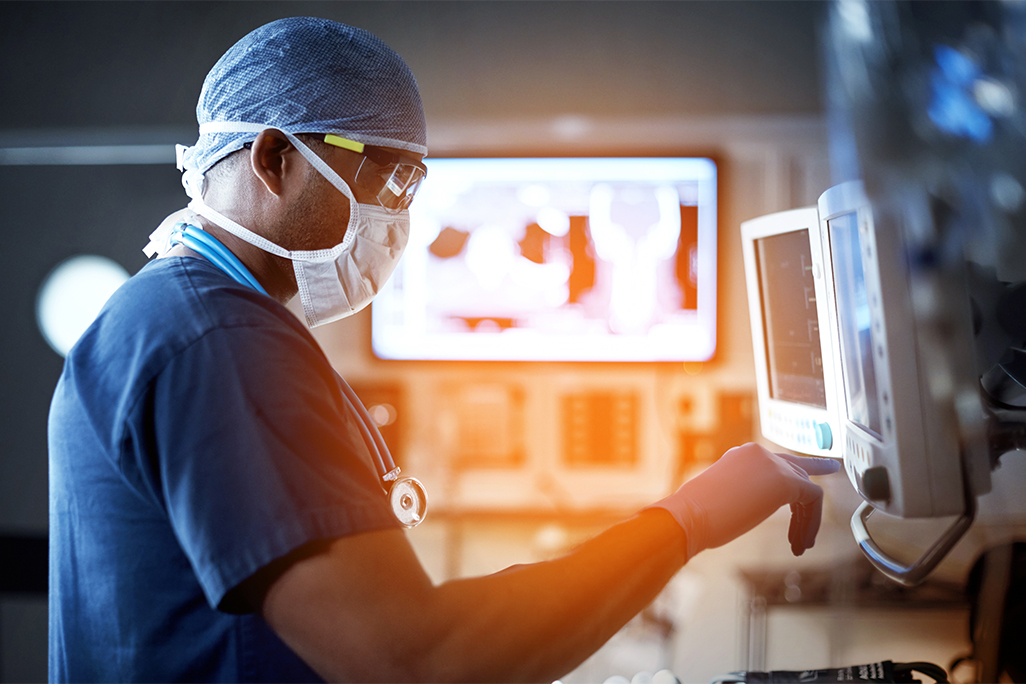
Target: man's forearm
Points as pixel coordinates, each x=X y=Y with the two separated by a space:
x=364 y=610
x=536 y=622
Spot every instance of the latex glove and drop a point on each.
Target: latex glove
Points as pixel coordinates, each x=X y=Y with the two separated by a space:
x=743 y=488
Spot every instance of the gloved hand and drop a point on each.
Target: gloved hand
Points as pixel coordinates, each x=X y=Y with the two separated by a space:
x=741 y=489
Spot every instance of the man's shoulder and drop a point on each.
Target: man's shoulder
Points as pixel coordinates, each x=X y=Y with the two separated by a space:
x=191 y=297
x=171 y=304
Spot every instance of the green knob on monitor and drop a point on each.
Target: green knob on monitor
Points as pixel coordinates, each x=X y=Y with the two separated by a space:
x=824 y=436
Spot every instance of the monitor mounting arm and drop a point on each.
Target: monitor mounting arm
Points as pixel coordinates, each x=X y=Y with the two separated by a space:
x=1006 y=431
x=913 y=573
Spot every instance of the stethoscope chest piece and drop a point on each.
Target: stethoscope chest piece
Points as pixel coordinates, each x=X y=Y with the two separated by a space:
x=408 y=499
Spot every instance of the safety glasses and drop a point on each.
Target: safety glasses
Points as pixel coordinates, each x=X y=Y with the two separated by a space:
x=392 y=178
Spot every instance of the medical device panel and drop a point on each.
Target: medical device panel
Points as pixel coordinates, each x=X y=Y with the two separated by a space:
x=556 y=259
x=794 y=369
x=896 y=451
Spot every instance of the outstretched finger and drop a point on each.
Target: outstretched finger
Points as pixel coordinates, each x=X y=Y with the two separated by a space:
x=813 y=465
x=797 y=470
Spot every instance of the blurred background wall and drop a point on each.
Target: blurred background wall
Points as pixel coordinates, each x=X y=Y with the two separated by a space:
x=737 y=80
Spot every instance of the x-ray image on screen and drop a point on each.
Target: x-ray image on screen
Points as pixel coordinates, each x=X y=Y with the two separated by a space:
x=854 y=323
x=791 y=322
x=591 y=259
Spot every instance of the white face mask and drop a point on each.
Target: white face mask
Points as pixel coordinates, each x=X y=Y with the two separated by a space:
x=333 y=283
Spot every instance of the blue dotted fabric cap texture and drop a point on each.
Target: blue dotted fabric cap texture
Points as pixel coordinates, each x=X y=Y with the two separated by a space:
x=310 y=75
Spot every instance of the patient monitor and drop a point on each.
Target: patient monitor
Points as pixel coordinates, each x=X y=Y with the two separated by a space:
x=913 y=425
x=900 y=452
x=786 y=279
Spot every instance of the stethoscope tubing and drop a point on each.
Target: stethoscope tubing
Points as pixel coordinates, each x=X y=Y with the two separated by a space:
x=385 y=462
x=210 y=248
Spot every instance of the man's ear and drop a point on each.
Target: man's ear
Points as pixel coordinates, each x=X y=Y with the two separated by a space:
x=268 y=161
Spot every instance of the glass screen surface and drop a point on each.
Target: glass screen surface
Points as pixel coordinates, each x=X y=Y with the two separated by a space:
x=790 y=319
x=854 y=321
x=556 y=259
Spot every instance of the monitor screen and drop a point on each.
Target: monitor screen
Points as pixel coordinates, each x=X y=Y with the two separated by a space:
x=854 y=323
x=790 y=318
x=556 y=259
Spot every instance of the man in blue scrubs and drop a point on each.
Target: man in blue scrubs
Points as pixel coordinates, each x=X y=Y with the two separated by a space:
x=216 y=511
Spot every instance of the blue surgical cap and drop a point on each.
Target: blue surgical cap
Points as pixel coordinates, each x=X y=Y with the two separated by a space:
x=309 y=75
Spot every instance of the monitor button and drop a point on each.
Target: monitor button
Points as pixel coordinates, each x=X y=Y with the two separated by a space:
x=824 y=437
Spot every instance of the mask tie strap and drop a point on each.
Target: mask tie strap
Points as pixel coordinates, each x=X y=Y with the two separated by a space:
x=319 y=164
x=204 y=210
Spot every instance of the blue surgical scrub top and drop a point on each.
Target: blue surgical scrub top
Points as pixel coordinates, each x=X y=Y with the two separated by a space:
x=198 y=432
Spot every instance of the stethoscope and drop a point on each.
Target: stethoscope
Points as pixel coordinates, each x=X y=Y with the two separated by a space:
x=406 y=495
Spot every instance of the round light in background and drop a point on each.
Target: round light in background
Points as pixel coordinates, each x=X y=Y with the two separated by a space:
x=72 y=296
x=382 y=414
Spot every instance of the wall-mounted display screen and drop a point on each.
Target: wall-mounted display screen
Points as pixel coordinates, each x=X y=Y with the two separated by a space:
x=556 y=259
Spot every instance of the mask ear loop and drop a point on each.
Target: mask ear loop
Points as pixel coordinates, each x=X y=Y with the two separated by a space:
x=322 y=167
x=332 y=177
